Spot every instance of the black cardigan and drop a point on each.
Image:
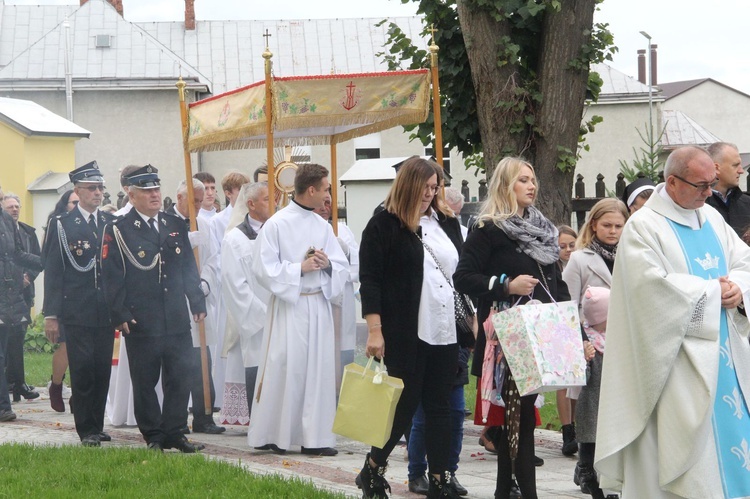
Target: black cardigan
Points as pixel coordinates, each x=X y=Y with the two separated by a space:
x=488 y=252
x=390 y=276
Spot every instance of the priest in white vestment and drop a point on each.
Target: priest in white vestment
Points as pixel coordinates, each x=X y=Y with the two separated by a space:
x=298 y=259
x=673 y=412
x=246 y=302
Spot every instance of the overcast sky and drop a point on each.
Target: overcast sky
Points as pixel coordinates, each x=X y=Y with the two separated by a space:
x=695 y=39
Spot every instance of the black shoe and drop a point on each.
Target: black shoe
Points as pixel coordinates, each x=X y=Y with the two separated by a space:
x=515 y=492
x=7 y=415
x=185 y=430
x=570 y=445
x=538 y=461
x=319 y=451
x=91 y=440
x=104 y=437
x=460 y=489
x=183 y=445
x=272 y=447
x=442 y=488
x=155 y=446
x=25 y=391
x=419 y=485
x=372 y=481
x=210 y=428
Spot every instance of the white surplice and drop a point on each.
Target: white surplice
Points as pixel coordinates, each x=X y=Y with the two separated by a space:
x=344 y=307
x=654 y=436
x=295 y=393
x=246 y=302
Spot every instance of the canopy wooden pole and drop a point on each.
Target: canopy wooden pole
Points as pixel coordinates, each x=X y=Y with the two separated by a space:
x=438 y=124
x=334 y=191
x=207 y=406
x=267 y=55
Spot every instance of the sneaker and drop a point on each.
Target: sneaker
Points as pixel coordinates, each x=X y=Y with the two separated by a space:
x=7 y=415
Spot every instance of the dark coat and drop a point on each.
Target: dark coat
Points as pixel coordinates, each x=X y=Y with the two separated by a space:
x=30 y=245
x=154 y=298
x=13 y=261
x=488 y=252
x=390 y=274
x=75 y=297
x=737 y=212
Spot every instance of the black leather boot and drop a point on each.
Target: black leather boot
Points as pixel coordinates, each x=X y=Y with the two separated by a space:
x=570 y=445
x=372 y=480
x=443 y=488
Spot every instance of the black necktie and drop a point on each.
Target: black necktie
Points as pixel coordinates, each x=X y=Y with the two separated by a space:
x=152 y=223
x=92 y=223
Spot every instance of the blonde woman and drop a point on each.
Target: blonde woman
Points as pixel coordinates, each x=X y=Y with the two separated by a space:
x=591 y=266
x=512 y=252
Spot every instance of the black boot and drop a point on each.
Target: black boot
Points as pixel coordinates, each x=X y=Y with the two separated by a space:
x=23 y=390
x=372 y=480
x=442 y=488
x=589 y=481
x=570 y=445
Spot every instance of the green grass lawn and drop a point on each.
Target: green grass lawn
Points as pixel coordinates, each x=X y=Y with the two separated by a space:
x=78 y=472
x=38 y=368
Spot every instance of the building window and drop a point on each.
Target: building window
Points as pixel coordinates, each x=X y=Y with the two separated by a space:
x=429 y=151
x=367 y=153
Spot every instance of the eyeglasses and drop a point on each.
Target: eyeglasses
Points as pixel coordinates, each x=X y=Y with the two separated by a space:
x=94 y=188
x=432 y=188
x=698 y=187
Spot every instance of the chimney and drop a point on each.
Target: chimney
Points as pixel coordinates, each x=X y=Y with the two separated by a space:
x=117 y=4
x=190 y=14
x=654 y=80
x=642 y=66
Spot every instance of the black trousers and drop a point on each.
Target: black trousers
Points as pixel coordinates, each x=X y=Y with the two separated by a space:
x=172 y=357
x=200 y=418
x=524 y=464
x=90 y=361
x=4 y=396
x=430 y=381
x=251 y=375
x=14 y=366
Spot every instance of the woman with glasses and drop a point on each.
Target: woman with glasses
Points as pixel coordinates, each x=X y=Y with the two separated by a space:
x=407 y=255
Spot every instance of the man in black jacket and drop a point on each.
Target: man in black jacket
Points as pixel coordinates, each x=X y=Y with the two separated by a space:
x=13 y=310
x=73 y=297
x=148 y=270
x=14 y=367
x=726 y=195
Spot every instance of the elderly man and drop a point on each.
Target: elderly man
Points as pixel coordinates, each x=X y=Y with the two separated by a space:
x=124 y=174
x=673 y=414
x=726 y=196
x=245 y=300
x=148 y=271
x=74 y=298
x=14 y=365
x=297 y=258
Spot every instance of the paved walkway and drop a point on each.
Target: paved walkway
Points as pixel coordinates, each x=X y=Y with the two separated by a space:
x=37 y=423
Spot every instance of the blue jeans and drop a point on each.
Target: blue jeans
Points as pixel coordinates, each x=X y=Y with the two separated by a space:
x=417 y=449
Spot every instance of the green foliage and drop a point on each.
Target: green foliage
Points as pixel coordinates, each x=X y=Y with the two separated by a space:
x=35 y=471
x=647 y=162
x=520 y=49
x=35 y=340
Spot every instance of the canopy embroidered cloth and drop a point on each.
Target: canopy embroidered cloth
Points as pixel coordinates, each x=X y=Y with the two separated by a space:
x=310 y=110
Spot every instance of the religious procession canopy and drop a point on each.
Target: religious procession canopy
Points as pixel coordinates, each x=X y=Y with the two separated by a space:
x=309 y=110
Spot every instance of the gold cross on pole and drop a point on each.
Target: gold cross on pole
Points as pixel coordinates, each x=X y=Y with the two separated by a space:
x=267 y=36
x=432 y=31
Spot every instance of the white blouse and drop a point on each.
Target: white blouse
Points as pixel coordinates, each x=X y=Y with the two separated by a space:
x=437 y=322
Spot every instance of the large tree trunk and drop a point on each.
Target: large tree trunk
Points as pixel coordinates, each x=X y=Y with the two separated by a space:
x=492 y=83
x=564 y=90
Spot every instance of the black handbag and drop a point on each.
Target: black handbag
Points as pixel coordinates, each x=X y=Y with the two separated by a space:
x=462 y=306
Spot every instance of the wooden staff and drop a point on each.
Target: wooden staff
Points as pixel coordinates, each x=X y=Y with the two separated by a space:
x=193 y=227
x=334 y=190
x=437 y=123
x=267 y=55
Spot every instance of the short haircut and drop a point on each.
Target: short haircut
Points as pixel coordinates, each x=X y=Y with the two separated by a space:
x=309 y=175
x=11 y=195
x=679 y=159
x=253 y=190
x=233 y=180
x=125 y=172
x=197 y=186
x=263 y=170
x=454 y=197
x=716 y=150
x=205 y=177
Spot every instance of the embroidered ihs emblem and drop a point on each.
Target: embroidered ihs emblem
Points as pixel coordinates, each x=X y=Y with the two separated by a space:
x=710 y=262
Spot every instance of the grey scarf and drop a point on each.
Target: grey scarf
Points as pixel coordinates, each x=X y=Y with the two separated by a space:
x=536 y=236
